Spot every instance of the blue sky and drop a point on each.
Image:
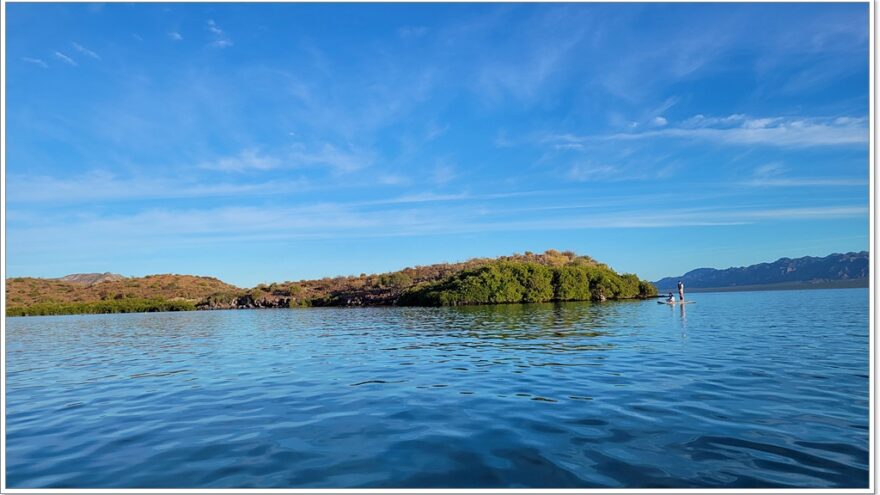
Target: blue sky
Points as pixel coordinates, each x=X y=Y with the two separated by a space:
x=277 y=142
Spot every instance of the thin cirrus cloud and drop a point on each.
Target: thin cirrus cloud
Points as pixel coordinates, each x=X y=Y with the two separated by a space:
x=246 y=160
x=625 y=171
x=171 y=227
x=175 y=36
x=412 y=31
x=583 y=172
x=326 y=155
x=777 y=131
x=805 y=182
x=738 y=129
x=107 y=187
x=774 y=175
x=64 y=58
x=337 y=159
x=36 y=61
x=85 y=51
x=220 y=38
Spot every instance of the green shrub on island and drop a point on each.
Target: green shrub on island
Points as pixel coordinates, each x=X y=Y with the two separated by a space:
x=519 y=282
x=394 y=280
x=126 y=305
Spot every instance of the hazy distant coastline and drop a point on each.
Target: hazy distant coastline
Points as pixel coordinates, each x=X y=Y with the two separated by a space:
x=860 y=283
x=809 y=272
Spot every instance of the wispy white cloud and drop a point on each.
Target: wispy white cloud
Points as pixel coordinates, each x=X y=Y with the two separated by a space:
x=64 y=58
x=175 y=36
x=322 y=154
x=584 y=172
x=808 y=213
x=568 y=146
x=35 y=61
x=785 y=132
x=100 y=186
x=806 y=182
x=85 y=51
x=426 y=197
x=768 y=170
x=647 y=62
x=443 y=172
x=220 y=38
x=167 y=228
x=246 y=160
x=529 y=73
x=341 y=160
x=221 y=43
x=593 y=159
x=380 y=91
x=526 y=67
x=213 y=27
x=393 y=179
x=773 y=175
x=412 y=31
x=435 y=130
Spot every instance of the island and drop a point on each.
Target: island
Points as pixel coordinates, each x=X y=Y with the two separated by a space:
x=519 y=278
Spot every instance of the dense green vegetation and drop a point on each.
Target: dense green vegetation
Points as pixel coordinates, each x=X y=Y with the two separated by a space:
x=524 y=281
x=112 y=306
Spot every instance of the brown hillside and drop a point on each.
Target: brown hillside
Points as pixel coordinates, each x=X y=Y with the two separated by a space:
x=27 y=291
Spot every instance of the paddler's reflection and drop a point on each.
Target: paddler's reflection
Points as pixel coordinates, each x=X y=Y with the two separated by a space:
x=683 y=314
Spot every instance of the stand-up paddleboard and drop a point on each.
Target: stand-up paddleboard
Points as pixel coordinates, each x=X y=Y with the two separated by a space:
x=676 y=302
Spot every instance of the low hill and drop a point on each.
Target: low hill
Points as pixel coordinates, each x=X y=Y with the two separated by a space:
x=527 y=277
x=808 y=271
x=90 y=278
x=27 y=292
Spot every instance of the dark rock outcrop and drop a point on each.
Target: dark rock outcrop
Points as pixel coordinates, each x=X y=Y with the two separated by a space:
x=246 y=301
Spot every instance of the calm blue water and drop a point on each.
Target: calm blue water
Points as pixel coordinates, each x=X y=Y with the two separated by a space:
x=755 y=389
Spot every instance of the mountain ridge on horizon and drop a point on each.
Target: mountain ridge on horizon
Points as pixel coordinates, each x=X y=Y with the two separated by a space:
x=806 y=270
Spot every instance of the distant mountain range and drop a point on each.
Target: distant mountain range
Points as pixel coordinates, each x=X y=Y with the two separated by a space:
x=835 y=270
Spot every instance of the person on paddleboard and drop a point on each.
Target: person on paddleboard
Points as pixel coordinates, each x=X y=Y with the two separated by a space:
x=670 y=299
x=680 y=290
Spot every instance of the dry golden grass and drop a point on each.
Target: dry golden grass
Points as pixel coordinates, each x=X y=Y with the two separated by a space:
x=28 y=291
